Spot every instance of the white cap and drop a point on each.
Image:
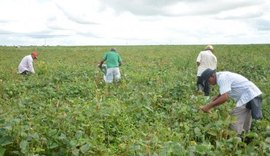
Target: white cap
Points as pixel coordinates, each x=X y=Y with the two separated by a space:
x=209 y=47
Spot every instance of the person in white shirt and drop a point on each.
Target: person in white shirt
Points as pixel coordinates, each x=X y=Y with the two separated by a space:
x=26 y=64
x=205 y=59
x=246 y=94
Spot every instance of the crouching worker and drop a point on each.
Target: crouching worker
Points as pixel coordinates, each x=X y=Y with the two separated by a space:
x=113 y=62
x=246 y=94
x=26 y=64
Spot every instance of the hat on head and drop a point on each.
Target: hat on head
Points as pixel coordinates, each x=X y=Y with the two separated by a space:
x=113 y=49
x=206 y=75
x=34 y=54
x=209 y=47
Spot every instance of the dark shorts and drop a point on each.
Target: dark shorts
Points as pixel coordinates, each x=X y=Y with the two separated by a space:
x=255 y=105
x=26 y=72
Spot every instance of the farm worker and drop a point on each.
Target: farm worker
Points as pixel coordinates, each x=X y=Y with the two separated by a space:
x=26 y=64
x=205 y=59
x=246 y=94
x=113 y=61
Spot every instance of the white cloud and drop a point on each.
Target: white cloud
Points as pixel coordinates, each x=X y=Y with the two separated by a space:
x=102 y=22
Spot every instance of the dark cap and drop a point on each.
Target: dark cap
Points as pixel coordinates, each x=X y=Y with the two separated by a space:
x=206 y=74
x=113 y=49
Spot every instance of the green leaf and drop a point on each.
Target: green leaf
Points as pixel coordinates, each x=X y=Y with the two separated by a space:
x=24 y=146
x=79 y=134
x=84 y=148
x=75 y=152
x=53 y=145
x=267 y=140
x=211 y=132
x=2 y=121
x=2 y=151
x=252 y=135
x=6 y=140
x=203 y=148
x=197 y=132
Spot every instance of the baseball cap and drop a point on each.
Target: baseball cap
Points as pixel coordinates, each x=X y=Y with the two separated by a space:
x=209 y=47
x=113 y=49
x=34 y=54
x=206 y=75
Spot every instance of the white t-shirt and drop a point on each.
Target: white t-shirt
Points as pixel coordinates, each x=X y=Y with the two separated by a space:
x=207 y=60
x=26 y=64
x=237 y=86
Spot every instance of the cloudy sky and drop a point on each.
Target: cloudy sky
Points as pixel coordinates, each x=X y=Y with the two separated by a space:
x=134 y=22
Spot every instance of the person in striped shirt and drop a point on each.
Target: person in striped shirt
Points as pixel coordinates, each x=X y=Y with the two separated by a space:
x=246 y=94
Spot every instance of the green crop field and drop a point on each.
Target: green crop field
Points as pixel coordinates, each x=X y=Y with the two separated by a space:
x=67 y=109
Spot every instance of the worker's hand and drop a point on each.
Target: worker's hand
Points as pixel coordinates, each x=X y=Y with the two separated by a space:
x=205 y=109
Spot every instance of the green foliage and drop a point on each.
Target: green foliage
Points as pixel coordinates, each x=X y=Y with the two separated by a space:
x=67 y=109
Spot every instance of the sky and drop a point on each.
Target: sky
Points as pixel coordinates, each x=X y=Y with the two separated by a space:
x=134 y=22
